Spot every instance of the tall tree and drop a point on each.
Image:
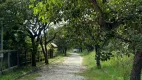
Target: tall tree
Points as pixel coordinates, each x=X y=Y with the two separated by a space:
x=44 y=41
x=48 y=12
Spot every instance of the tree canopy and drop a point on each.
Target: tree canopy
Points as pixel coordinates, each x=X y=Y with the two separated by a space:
x=104 y=25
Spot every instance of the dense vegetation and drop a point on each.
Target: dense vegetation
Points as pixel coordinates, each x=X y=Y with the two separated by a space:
x=117 y=68
x=111 y=27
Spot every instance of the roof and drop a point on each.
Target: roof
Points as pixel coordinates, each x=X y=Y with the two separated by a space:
x=54 y=45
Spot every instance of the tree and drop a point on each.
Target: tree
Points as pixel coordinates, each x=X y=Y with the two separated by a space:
x=47 y=12
x=14 y=14
x=109 y=16
x=98 y=22
x=34 y=29
x=132 y=12
x=12 y=22
x=45 y=40
x=62 y=40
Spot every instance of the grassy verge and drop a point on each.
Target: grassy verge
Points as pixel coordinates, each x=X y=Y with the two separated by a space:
x=116 y=68
x=15 y=73
x=22 y=70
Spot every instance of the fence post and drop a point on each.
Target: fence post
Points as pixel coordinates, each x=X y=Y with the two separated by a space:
x=17 y=58
x=38 y=56
x=25 y=57
x=1 y=65
x=9 y=60
x=1 y=47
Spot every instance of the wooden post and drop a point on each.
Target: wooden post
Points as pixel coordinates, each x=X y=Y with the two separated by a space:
x=38 y=56
x=9 y=60
x=1 y=37
x=1 y=54
x=25 y=57
x=18 y=59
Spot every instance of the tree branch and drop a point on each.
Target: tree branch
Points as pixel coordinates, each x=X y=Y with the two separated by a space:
x=51 y=39
x=100 y=13
x=122 y=38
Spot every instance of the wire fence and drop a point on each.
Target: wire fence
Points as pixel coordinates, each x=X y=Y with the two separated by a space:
x=26 y=58
x=8 y=59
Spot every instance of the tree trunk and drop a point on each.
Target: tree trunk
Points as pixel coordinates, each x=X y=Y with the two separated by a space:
x=46 y=58
x=51 y=53
x=34 y=51
x=62 y=49
x=137 y=66
x=44 y=52
x=33 y=59
x=45 y=47
x=97 y=56
x=65 y=51
x=80 y=49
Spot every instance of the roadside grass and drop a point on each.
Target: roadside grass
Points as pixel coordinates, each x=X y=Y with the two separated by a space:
x=12 y=74
x=31 y=76
x=117 y=68
x=57 y=60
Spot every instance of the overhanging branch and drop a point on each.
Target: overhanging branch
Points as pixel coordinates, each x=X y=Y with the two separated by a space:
x=51 y=39
x=122 y=38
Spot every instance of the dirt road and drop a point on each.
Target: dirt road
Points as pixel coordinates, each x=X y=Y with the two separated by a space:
x=65 y=71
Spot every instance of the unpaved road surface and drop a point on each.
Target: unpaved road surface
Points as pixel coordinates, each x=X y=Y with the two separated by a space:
x=65 y=71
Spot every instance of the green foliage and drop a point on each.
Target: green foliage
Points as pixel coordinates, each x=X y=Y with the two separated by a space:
x=15 y=73
x=82 y=28
x=106 y=56
x=47 y=11
x=114 y=48
x=14 y=35
x=117 y=68
x=62 y=39
x=137 y=42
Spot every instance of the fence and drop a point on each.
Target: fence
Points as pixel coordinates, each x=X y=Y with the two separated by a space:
x=12 y=58
x=8 y=59
x=25 y=57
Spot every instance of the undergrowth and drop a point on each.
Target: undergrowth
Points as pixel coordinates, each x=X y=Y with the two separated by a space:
x=117 y=68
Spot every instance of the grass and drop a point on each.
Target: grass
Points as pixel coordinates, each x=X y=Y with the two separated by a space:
x=57 y=60
x=15 y=73
x=11 y=75
x=31 y=76
x=116 y=68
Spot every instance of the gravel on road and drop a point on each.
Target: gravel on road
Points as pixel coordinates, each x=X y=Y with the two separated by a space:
x=65 y=71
